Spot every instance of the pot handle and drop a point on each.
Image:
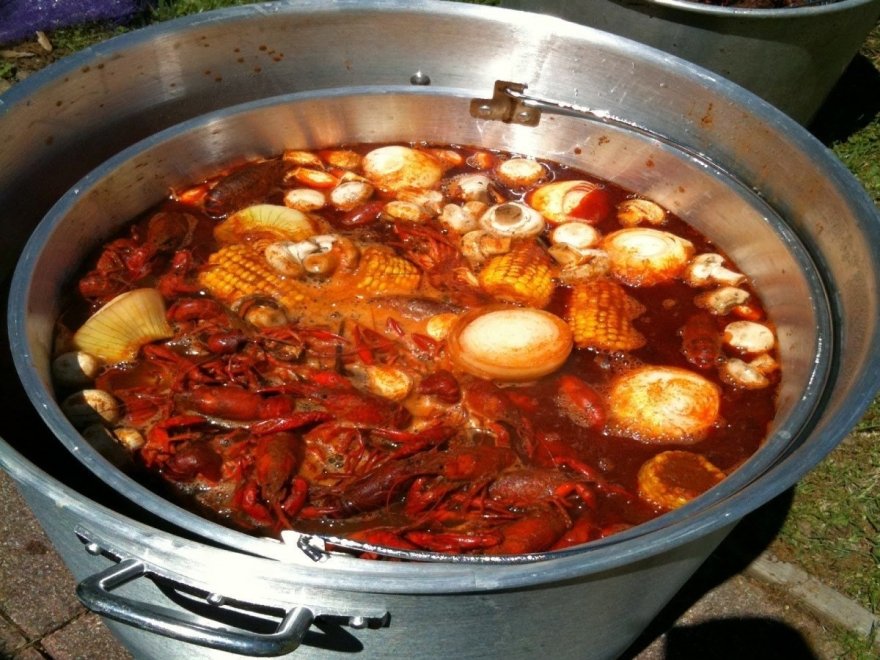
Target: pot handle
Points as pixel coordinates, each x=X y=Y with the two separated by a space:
x=96 y=593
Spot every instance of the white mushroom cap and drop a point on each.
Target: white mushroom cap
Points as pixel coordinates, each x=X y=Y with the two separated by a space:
x=512 y=219
x=519 y=172
x=469 y=187
x=431 y=201
x=708 y=269
x=406 y=211
x=738 y=373
x=722 y=301
x=388 y=382
x=765 y=364
x=350 y=194
x=633 y=212
x=578 y=235
x=91 y=406
x=304 y=199
x=75 y=369
x=479 y=245
x=459 y=218
x=749 y=337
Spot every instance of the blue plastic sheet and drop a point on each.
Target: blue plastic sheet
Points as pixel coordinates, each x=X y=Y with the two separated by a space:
x=20 y=19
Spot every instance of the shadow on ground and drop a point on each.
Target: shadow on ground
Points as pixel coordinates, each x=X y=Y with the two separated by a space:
x=851 y=105
x=733 y=637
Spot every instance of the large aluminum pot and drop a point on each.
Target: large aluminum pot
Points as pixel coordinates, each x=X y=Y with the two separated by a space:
x=789 y=56
x=595 y=600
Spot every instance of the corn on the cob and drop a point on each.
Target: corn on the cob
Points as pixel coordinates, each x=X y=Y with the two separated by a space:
x=523 y=275
x=240 y=270
x=382 y=272
x=600 y=315
x=660 y=484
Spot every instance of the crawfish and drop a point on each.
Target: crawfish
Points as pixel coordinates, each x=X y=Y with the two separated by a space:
x=525 y=485
x=534 y=531
x=581 y=403
x=243 y=187
x=388 y=481
x=496 y=412
x=537 y=530
x=262 y=413
x=441 y=260
x=272 y=492
x=701 y=341
x=125 y=261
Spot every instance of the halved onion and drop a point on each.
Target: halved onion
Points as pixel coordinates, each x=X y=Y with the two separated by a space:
x=571 y=201
x=116 y=332
x=509 y=343
x=656 y=404
x=396 y=167
x=267 y=220
x=645 y=257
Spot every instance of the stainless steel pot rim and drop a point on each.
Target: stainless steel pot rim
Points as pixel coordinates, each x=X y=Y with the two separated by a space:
x=713 y=504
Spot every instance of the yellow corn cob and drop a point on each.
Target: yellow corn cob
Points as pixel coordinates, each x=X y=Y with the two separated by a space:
x=523 y=275
x=600 y=314
x=382 y=272
x=239 y=270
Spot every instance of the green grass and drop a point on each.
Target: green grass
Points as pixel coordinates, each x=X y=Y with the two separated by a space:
x=833 y=528
x=860 y=154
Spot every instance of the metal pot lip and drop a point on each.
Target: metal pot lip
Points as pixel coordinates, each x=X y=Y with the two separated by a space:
x=815 y=9
x=703 y=516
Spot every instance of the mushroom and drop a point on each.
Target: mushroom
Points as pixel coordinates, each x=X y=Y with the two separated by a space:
x=91 y=406
x=462 y=218
x=739 y=373
x=75 y=369
x=479 y=245
x=749 y=337
x=520 y=172
x=431 y=201
x=721 y=301
x=469 y=187
x=512 y=219
x=634 y=212
x=349 y=194
x=304 y=199
x=708 y=269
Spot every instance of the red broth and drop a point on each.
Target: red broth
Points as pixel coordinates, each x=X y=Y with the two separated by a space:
x=461 y=353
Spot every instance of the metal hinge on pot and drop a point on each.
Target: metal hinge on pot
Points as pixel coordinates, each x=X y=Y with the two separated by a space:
x=512 y=105
x=508 y=104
